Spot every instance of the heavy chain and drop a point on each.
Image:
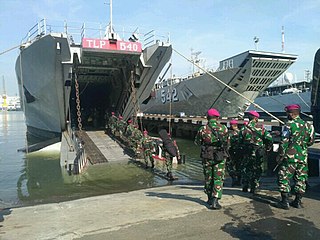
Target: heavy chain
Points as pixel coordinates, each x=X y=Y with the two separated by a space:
x=134 y=98
x=78 y=104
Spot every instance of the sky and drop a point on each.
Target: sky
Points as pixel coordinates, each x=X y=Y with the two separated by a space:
x=217 y=28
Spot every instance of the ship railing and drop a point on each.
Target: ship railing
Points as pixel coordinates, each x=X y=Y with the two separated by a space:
x=81 y=160
x=151 y=38
x=76 y=31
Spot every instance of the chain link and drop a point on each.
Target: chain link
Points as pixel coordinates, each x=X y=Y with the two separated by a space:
x=134 y=98
x=78 y=104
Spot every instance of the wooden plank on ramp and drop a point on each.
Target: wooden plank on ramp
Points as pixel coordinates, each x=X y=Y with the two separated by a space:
x=109 y=149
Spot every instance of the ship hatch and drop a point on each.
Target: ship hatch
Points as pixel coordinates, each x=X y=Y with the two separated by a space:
x=104 y=85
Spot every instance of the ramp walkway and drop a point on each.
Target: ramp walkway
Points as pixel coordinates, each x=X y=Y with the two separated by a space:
x=101 y=148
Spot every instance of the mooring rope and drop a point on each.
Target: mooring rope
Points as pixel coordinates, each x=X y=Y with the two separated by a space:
x=226 y=85
x=10 y=49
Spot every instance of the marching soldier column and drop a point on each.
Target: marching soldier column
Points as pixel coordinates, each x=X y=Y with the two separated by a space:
x=242 y=152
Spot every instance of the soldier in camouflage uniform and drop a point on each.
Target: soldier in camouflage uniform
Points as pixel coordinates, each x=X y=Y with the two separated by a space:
x=121 y=126
x=214 y=141
x=148 y=149
x=293 y=155
x=129 y=132
x=255 y=140
x=233 y=164
x=136 y=140
x=112 y=123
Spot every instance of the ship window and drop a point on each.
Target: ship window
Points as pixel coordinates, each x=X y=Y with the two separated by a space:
x=268 y=64
x=236 y=85
x=263 y=72
x=244 y=70
x=268 y=73
x=58 y=48
x=259 y=64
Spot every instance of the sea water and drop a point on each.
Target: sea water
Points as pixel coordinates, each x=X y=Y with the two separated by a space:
x=36 y=178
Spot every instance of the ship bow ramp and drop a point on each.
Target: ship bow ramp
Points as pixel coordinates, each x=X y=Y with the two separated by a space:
x=252 y=72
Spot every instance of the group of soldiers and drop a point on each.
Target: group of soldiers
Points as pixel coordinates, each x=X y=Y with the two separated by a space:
x=142 y=144
x=129 y=134
x=241 y=152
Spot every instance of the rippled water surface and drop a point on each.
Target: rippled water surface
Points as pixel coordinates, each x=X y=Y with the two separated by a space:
x=37 y=177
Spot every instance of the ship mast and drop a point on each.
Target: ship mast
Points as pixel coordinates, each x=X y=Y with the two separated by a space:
x=256 y=41
x=282 y=49
x=282 y=39
x=111 y=27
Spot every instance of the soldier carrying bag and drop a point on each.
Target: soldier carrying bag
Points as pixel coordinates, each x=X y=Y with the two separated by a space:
x=218 y=154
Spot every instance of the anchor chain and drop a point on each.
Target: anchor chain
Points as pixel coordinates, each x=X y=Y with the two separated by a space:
x=134 y=99
x=78 y=104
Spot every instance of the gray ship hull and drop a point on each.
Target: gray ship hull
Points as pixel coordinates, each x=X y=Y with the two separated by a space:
x=275 y=104
x=63 y=84
x=248 y=73
x=41 y=86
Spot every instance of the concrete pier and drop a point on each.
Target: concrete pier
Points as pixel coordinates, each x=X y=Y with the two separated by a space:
x=169 y=212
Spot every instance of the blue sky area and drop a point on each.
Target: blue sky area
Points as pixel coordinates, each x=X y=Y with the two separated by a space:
x=217 y=28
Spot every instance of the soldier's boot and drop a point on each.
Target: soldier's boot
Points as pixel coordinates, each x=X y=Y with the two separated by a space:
x=253 y=191
x=152 y=164
x=245 y=188
x=297 y=201
x=210 y=200
x=170 y=176
x=215 y=204
x=284 y=203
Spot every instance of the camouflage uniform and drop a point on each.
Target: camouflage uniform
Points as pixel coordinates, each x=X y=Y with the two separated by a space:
x=213 y=170
x=136 y=140
x=112 y=123
x=254 y=139
x=128 y=133
x=121 y=127
x=296 y=137
x=233 y=164
x=148 y=149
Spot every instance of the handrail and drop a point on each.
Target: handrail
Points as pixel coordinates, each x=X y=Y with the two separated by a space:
x=76 y=31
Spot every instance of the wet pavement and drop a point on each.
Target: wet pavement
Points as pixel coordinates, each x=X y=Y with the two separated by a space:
x=169 y=212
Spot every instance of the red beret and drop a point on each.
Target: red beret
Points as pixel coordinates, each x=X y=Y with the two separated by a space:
x=112 y=113
x=120 y=117
x=145 y=132
x=254 y=113
x=233 y=122
x=213 y=113
x=292 y=107
x=129 y=121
